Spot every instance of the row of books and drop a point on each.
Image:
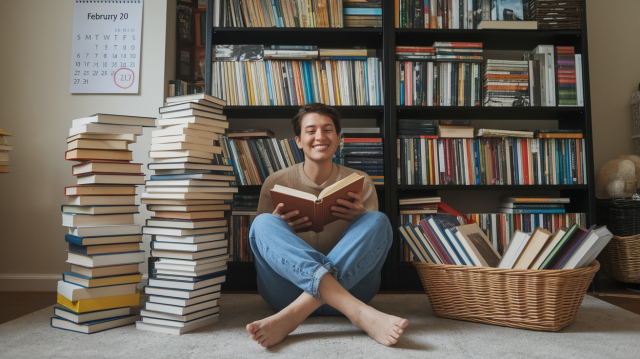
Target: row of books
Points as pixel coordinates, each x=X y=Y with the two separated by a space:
x=189 y=227
x=5 y=147
x=278 y=13
x=179 y=88
x=441 y=239
x=103 y=240
x=295 y=83
x=254 y=159
x=297 y=13
x=548 y=76
x=239 y=246
x=491 y=161
x=363 y=151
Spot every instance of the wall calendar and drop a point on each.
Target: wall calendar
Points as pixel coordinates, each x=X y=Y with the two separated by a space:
x=105 y=49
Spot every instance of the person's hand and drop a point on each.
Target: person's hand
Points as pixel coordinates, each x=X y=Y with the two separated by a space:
x=298 y=224
x=348 y=210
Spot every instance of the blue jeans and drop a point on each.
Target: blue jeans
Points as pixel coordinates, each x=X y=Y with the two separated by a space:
x=287 y=265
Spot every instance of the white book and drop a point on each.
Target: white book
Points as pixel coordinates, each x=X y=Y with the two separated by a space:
x=70 y=315
x=183 y=285
x=180 y=153
x=589 y=248
x=99 y=128
x=182 y=232
x=182 y=138
x=190 y=189
x=181 y=160
x=98 y=231
x=175 y=330
x=198 y=120
x=185 y=196
x=74 y=220
x=188 y=247
x=182 y=325
x=115 y=120
x=191 y=273
x=180 y=146
x=93 y=328
x=223 y=258
x=579 y=84
x=184 y=183
x=101 y=200
x=102 y=260
x=190 y=105
x=171 y=309
x=188 y=255
x=516 y=245
x=75 y=292
x=190 y=239
x=183 y=302
x=110 y=179
x=177 y=317
x=177 y=293
x=184 y=131
x=195 y=126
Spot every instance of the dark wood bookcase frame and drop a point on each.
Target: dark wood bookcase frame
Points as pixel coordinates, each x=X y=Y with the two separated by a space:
x=398 y=275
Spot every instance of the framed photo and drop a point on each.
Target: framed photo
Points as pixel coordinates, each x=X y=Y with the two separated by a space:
x=185 y=23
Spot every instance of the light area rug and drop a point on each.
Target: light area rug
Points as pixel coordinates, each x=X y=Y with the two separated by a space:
x=601 y=330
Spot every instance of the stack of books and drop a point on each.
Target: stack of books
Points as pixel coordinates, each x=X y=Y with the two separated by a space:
x=506 y=83
x=277 y=13
x=104 y=241
x=362 y=13
x=412 y=211
x=190 y=196
x=556 y=14
x=410 y=128
x=524 y=205
x=256 y=154
x=5 y=147
x=362 y=149
x=336 y=77
x=566 y=76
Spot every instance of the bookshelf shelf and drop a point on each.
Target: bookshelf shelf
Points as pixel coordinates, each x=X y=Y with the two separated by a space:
x=491 y=113
x=494 y=187
x=287 y=112
x=322 y=37
x=499 y=44
x=523 y=40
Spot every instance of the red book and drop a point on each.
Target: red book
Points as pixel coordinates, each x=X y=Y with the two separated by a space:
x=435 y=243
x=525 y=162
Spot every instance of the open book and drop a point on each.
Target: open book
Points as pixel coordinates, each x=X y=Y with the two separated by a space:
x=318 y=209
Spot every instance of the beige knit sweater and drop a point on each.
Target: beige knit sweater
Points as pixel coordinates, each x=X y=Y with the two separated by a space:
x=294 y=177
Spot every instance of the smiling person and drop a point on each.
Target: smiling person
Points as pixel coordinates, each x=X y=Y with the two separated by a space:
x=334 y=272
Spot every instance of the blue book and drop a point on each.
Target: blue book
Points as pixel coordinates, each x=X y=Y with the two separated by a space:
x=93 y=326
x=362 y=11
x=410 y=243
x=69 y=277
x=88 y=241
x=269 y=87
x=462 y=253
x=444 y=240
x=415 y=231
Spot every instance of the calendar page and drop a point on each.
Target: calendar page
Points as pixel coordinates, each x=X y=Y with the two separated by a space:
x=105 y=50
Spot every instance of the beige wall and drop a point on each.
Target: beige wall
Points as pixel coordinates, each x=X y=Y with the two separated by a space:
x=614 y=70
x=37 y=108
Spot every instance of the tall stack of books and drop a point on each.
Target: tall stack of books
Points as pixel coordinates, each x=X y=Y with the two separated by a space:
x=5 y=147
x=190 y=196
x=277 y=13
x=556 y=14
x=104 y=241
x=362 y=13
x=256 y=154
x=362 y=149
x=249 y=75
x=506 y=83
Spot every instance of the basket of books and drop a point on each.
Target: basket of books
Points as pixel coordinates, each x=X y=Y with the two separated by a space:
x=539 y=283
x=620 y=259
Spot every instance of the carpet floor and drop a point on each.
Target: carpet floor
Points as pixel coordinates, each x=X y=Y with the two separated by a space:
x=600 y=330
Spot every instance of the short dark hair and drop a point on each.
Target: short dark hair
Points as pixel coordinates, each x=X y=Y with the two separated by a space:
x=318 y=108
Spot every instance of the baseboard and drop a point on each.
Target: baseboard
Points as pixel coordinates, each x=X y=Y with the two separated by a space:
x=37 y=282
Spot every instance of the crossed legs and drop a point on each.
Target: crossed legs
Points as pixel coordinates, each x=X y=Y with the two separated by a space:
x=286 y=265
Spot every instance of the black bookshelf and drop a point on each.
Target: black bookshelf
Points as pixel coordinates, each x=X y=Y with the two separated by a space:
x=399 y=275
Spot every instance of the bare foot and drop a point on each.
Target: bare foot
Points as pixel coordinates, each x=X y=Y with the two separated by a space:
x=271 y=330
x=384 y=328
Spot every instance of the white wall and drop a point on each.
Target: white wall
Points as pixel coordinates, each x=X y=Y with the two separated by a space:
x=37 y=108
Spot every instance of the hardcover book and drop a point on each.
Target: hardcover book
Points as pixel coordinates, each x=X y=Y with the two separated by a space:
x=317 y=209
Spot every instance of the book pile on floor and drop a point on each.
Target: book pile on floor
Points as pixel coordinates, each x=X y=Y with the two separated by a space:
x=255 y=154
x=104 y=241
x=361 y=148
x=249 y=75
x=556 y=14
x=440 y=239
x=5 y=147
x=359 y=13
x=506 y=83
x=190 y=195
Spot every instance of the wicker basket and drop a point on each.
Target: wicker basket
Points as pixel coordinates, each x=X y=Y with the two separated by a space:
x=621 y=259
x=528 y=299
x=621 y=216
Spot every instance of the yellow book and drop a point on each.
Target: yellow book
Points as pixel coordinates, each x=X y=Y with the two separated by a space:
x=90 y=305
